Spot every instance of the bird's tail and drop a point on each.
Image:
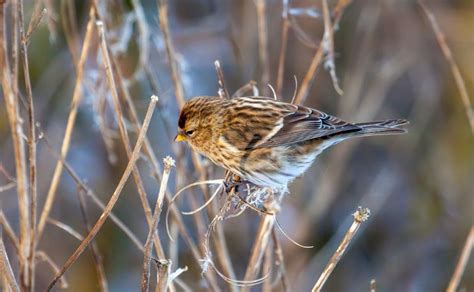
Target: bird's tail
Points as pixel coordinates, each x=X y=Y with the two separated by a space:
x=387 y=127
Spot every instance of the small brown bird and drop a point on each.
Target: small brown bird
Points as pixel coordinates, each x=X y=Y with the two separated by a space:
x=264 y=141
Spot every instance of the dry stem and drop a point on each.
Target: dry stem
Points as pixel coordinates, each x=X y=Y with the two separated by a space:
x=223 y=92
x=10 y=94
x=123 y=132
x=113 y=199
x=162 y=275
x=259 y=246
x=441 y=39
x=318 y=56
x=361 y=215
x=463 y=259
x=76 y=99
x=168 y=164
x=5 y=267
x=163 y=18
x=263 y=42
x=283 y=44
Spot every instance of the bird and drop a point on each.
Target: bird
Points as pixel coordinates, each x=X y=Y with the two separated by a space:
x=264 y=141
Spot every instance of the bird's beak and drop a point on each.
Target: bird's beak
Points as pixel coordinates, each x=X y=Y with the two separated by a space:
x=179 y=138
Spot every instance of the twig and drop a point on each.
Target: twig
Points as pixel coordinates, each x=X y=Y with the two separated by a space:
x=328 y=46
x=267 y=268
x=361 y=215
x=7 y=187
x=280 y=261
x=113 y=199
x=250 y=86
x=318 y=56
x=89 y=192
x=258 y=249
x=68 y=229
x=168 y=163
x=263 y=42
x=42 y=256
x=99 y=265
x=462 y=262
x=221 y=80
x=31 y=148
x=448 y=55
x=9 y=231
x=123 y=131
x=162 y=275
x=76 y=99
x=283 y=44
x=5 y=267
x=35 y=21
x=164 y=26
x=10 y=94
x=157 y=169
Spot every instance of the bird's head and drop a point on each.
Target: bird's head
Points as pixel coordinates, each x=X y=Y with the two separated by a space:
x=198 y=120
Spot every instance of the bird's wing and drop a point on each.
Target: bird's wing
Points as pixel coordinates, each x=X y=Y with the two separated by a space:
x=303 y=123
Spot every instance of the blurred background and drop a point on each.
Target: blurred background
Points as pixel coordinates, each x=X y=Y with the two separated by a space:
x=419 y=186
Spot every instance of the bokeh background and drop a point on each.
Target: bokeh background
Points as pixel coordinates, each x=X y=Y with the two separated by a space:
x=419 y=186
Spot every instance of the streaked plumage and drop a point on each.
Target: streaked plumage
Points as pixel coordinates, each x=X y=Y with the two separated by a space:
x=265 y=141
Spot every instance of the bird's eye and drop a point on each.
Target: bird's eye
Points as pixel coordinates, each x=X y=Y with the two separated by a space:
x=189 y=133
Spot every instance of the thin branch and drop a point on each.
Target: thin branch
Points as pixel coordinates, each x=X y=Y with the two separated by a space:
x=42 y=256
x=223 y=92
x=9 y=231
x=462 y=262
x=261 y=241
x=164 y=26
x=7 y=187
x=280 y=261
x=123 y=131
x=328 y=46
x=263 y=42
x=10 y=94
x=99 y=265
x=361 y=215
x=162 y=277
x=283 y=44
x=168 y=164
x=68 y=229
x=448 y=55
x=31 y=148
x=113 y=199
x=76 y=99
x=318 y=56
x=5 y=267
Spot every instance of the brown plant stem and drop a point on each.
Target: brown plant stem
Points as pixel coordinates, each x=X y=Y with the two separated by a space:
x=448 y=55
x=76 y=99
x=164 y=26
x=31 y=148
x=318 y=56
x=462 y=262
x=99 y=265
x=283 y=44
x=223 y=92
x=113 y=199
x=263 y=43
x=168 y=163
x=162 y=275
x=9 y=231
x=123 y=131
x=5 y=267
x=9 y=82
x=361 y=215
x=258 y=249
